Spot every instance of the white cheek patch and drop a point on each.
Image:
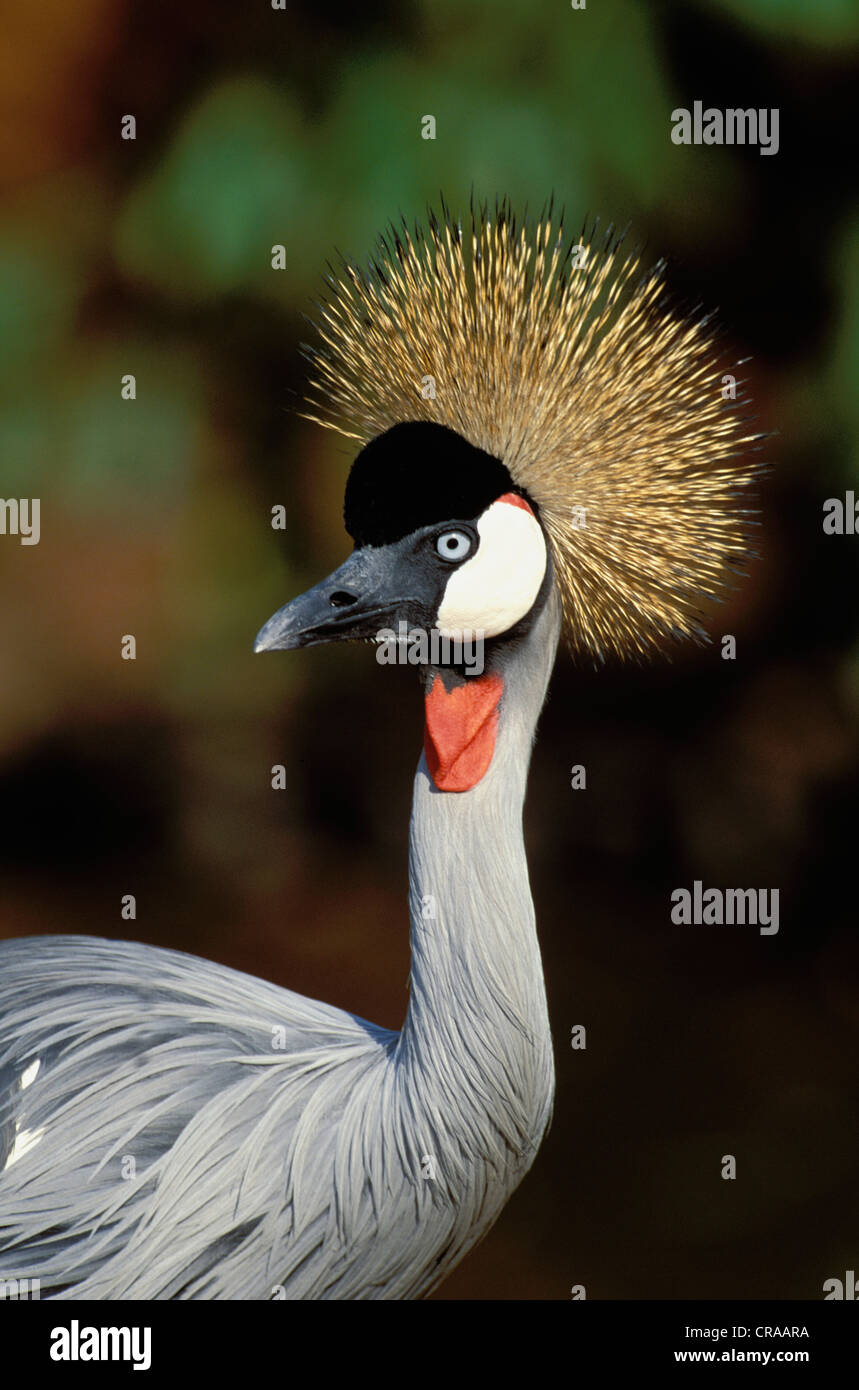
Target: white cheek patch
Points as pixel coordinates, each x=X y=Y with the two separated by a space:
x=497 y=587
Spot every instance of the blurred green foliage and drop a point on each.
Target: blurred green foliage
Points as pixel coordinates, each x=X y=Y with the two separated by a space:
x=823 y=22
x=142 y=261
x=234 y=178
x=148 y=260
x=106 y=454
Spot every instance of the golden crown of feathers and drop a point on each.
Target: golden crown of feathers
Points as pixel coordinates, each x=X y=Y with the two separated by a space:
x=564 y=361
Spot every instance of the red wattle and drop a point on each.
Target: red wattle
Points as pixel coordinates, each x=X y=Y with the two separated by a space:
x=459 y=736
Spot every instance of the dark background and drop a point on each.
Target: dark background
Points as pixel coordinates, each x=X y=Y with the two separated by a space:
x=303 y=127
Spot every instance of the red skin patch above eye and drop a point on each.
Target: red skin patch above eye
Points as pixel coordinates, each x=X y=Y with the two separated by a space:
x=514 y=500
x=459 y=737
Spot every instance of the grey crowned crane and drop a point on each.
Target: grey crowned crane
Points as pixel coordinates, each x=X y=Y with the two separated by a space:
x=541 y=442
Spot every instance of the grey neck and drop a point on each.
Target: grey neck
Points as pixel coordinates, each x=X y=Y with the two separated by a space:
x=475 y=1045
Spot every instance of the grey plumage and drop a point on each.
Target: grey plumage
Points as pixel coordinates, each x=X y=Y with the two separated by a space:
x=306 y=1169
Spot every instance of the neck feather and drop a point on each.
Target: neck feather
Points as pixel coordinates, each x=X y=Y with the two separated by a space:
x=475 y=1049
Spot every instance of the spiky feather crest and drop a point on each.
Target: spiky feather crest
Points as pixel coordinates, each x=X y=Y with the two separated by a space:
x=566 y=362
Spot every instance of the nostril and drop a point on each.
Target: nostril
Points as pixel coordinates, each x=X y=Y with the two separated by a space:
x=341 y=598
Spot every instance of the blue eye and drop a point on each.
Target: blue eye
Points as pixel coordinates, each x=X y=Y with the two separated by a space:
x=453 y=545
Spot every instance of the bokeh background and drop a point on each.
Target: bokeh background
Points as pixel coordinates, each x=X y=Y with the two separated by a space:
x=302 y=127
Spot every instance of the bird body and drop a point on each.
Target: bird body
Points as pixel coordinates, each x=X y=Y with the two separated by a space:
x=316 y=1168
x=170 y=1128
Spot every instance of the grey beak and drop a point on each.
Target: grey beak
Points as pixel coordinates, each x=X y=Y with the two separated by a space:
x=353 y=602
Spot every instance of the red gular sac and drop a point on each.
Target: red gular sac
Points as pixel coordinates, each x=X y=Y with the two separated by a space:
x=461 y=724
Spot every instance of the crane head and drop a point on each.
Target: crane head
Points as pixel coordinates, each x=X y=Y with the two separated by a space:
x=615 y=414
x=535 y=416
x=444 y=541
